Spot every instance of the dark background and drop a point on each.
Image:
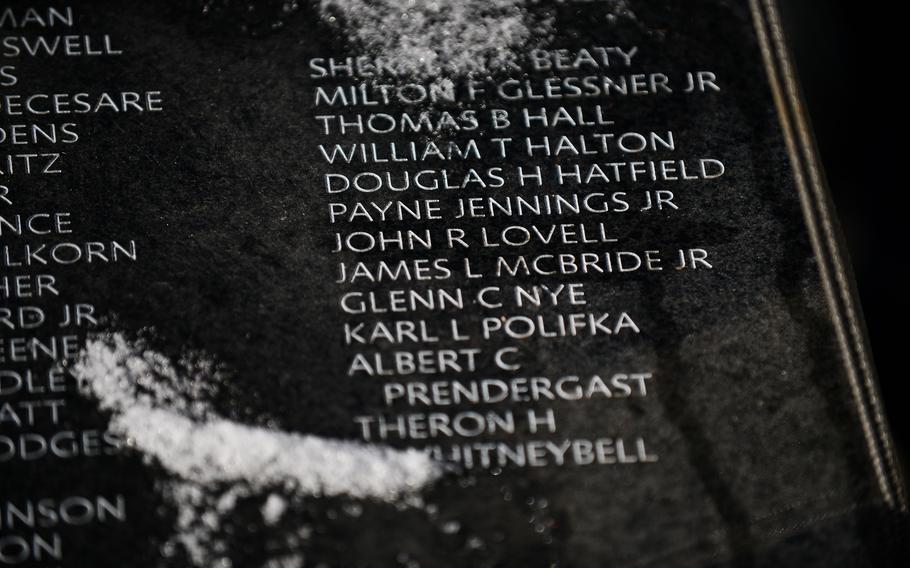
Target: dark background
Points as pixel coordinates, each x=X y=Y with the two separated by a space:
x=845 y=56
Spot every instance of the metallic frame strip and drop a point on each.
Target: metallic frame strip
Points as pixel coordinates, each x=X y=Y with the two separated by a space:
x=838 y=290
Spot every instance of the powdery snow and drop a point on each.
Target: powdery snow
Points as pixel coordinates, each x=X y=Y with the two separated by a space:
x=430 y=38
x=161 y=410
